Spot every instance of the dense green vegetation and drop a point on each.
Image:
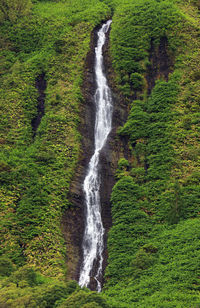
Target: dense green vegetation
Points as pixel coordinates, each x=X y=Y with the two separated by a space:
x=153 y=244
x=51 y=39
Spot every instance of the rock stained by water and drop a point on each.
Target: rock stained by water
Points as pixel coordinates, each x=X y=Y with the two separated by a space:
x=93 y=239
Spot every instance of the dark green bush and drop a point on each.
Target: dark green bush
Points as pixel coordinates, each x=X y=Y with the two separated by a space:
x=6 y=266
x=52 y=294
x=143 y=259
x=137 y=81
x=25 y=273
x=84 y=298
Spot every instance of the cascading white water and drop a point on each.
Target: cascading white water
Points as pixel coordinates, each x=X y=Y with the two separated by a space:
x=93 y=239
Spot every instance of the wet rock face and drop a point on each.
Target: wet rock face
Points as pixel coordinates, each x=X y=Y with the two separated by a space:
x=74 y=218
x=73 y=221
x=73 y=228
x=161 y=64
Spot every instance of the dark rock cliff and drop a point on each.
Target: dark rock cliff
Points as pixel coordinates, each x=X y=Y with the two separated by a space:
x=73 y=218
x=161 y=63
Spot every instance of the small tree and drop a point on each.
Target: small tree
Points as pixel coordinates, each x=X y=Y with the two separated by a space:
x=6 y=266
x=25 y=274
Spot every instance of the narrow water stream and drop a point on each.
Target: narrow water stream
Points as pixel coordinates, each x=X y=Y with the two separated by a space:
x=93 y=239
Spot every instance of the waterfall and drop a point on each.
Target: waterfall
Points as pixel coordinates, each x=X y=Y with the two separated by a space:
x=93 y=238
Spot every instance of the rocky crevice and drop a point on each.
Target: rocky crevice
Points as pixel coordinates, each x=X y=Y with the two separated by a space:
x=40 y=85
x=73 y=218
x=161 y=63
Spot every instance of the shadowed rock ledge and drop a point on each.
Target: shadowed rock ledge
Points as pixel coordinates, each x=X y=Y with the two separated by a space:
x=161 y=63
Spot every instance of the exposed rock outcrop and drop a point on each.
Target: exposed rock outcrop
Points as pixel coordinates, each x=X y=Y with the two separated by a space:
x=161 y=63
x=73 y=219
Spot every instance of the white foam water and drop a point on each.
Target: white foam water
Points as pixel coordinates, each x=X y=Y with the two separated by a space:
x=93 y=239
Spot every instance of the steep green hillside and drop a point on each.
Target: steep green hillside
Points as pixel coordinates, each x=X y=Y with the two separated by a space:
x=48 y=44
x=153 y=245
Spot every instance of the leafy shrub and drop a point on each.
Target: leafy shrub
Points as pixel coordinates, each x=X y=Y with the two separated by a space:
x=84 y=298
x=123 y=166
x=143 y=260
x=6 y=266
x=52 y=294
x=25 y=273
x=137 y=81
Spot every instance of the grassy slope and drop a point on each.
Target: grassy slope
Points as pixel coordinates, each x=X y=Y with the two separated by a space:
x=153 y=244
